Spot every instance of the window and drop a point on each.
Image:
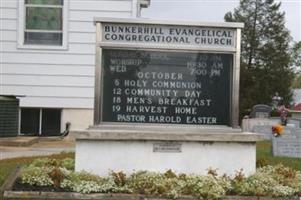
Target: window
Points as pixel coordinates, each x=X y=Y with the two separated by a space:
x=51 y=122
x=42 y=122
x=43 y=23
x=30 y=121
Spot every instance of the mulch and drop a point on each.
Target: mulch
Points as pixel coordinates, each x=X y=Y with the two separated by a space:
x=18 y=186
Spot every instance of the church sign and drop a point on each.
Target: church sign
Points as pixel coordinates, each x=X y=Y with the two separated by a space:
x=160 y=35
x=166 y=73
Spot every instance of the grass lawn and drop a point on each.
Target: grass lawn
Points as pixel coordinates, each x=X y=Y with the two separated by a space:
x=264 y=157
x=8 y=165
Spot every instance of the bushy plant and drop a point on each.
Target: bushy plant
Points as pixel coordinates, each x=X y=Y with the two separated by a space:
x=41 y=162
x=205 y=187
x=171 y=185
x=270 y=181
x=68 y=163
x=81 y=186
x=85 y=182
x=36 y=176
x=83 y=176
x=278 y=181
x=151 y=183
x=119 y=178
x=285 y=176
x=144 y=182
x=57 y=176
x=257 y=184
x=208 y=187
x=81 y=182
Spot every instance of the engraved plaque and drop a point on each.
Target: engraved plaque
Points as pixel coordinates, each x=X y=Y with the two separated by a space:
x=167 y=147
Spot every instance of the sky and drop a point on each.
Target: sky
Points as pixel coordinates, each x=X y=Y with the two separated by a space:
x=214 y=11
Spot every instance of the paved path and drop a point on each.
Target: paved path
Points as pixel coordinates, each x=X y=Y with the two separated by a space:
x=39 y=149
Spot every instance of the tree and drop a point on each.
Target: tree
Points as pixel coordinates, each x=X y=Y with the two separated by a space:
x=296 y=62
x=265 y=58
x=296 y=56
x=297 y=82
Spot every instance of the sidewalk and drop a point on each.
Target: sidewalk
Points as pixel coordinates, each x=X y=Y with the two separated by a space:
x=40 y=148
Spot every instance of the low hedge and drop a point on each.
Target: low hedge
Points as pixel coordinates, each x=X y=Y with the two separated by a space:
x=54 y=175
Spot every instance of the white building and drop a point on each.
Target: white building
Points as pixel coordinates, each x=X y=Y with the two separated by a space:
x=48 y=55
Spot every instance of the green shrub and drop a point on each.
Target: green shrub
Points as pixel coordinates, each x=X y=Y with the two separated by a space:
x=143 y=182
x=81 y=186
x=83 y=176
x=208 y=187
x=57 y=176
x=41 y=162
x=85 y=182
x=270 y=181
x=36 y=176
x=278 y=181
x=284 y=176
x=68 y=163
x=173 y=186
x=8 y=165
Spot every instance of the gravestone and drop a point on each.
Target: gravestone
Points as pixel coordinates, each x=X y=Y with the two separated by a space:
x=249 y=124
x=264 y=130
x=294 y=122
x=287 y=146
x=261 y=111
x=166 y=93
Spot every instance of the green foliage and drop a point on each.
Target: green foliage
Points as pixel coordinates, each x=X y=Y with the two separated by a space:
x=36 y=176
x=296 y=55
x=265 y=53
x=53 y=172
x=275 y=181
x=279 y=180
x=270 y=181
x=297 y=81
x=84 y=176
x=8 y=165
x=144 y=182
x=41 y=162
x=57 y=176
x=81 y=186
x=68 y=163
x=206 y=187
x=173 y=186
x=85 y=182
x=265 y=157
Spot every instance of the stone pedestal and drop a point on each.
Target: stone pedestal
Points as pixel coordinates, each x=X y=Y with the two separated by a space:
x=183 y=149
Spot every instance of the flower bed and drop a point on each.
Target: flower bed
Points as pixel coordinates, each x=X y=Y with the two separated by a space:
x=52 y=175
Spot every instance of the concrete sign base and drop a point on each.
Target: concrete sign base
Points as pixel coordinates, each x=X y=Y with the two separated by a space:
x=101 y=149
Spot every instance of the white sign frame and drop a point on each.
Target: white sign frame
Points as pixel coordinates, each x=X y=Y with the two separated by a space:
x=235 y=50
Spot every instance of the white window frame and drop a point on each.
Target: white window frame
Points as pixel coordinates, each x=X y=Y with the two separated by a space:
x=21 y=29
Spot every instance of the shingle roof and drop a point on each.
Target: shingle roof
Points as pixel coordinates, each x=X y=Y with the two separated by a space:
x=296 y=107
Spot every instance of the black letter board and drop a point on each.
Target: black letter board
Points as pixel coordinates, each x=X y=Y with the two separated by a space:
x=166 y=87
